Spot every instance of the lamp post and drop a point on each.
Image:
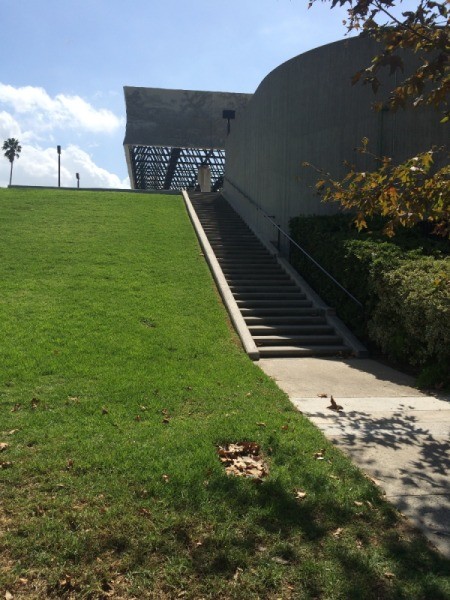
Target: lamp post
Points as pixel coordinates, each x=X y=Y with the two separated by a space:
x=228 y=115
x=58 y=148
x=77 y=175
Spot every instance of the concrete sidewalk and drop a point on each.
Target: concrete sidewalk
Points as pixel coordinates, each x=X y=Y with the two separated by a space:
x=396 y=434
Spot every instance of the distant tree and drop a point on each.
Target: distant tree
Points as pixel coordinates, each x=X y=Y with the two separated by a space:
x=12 y=150
x=413 y=190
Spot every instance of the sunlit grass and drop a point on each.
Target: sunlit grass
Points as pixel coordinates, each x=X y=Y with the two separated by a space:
x=119 y=376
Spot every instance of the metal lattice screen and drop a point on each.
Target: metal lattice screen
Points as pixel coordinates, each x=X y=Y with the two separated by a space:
x=169 y=168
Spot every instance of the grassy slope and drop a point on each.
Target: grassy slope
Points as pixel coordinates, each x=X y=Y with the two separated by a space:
x=109 y=321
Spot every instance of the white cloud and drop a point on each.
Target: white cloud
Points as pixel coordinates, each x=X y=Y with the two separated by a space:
x=40 y=122
x=39 y=166
x=33 y=104
x=9 y=127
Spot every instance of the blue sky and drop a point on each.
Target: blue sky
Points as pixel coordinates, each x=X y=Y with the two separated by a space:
x=65 y=62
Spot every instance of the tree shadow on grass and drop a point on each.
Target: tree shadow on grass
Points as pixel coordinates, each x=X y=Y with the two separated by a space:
x=308 y=527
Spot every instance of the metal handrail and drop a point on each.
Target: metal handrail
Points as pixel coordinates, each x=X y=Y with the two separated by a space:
x=288 y=237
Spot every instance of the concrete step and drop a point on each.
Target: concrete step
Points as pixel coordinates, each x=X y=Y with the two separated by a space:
x=308 y=320
x=271 y=297
x=231 y=227
x=278 y=311
x=273 y=303
x=243 y=264
x=289 y=329
x=297 y=340
x=241 y=253
x=261 y=270
x=306 y=350
x=267 y=291
x=240 y=276
x=229 y=239
x=286 y=287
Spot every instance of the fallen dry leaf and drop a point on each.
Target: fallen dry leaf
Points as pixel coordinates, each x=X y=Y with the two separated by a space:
x=3 y=446
x=374 y=481
x=66 y=582
x=34 y=403
x=166 y=478
x=16 y=408
x=5 y=465
x=358 y=503
x=8 y=595
x=338 y=532
x=69 y=464
x=13 y=431
x=389 y=575
x=105 y=411
x=334 y=405
x=322 y=395
x=243 y=460
x=320 y=455
x=261 y=424
x=280 y=561
x=138 y=418
x=300 y=494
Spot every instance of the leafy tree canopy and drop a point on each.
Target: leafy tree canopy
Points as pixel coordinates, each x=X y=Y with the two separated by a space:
x=12 y=150
x=414 y=190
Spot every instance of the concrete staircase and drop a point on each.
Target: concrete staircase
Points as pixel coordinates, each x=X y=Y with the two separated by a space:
x=282 y=320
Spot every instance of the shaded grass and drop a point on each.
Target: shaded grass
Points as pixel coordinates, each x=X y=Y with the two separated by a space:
x=109 y=321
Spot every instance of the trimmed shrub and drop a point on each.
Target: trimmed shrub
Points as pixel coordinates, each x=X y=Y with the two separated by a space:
x=402 y=283
x=411 y=320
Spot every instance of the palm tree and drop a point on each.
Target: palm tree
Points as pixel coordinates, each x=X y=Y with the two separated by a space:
x=12 y=150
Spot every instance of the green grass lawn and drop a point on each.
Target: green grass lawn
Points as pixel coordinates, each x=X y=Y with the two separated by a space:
x=119 y=376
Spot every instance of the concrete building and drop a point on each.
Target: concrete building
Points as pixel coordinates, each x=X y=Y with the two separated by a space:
x=304 y=110
x=171 y=133
x=307 y=110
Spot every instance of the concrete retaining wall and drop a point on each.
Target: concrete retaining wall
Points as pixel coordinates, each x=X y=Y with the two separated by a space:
x=307 y=110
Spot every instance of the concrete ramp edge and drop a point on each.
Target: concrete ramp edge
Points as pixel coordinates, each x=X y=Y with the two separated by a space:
x=224 y=290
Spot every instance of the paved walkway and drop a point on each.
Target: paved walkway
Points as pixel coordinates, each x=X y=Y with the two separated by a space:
x=396 y=434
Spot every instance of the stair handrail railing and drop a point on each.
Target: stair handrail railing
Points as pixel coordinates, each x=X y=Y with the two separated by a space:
x=292 y=241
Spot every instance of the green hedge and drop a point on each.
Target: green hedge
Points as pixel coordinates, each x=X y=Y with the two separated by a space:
x=411 y=321
x=403 y=284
